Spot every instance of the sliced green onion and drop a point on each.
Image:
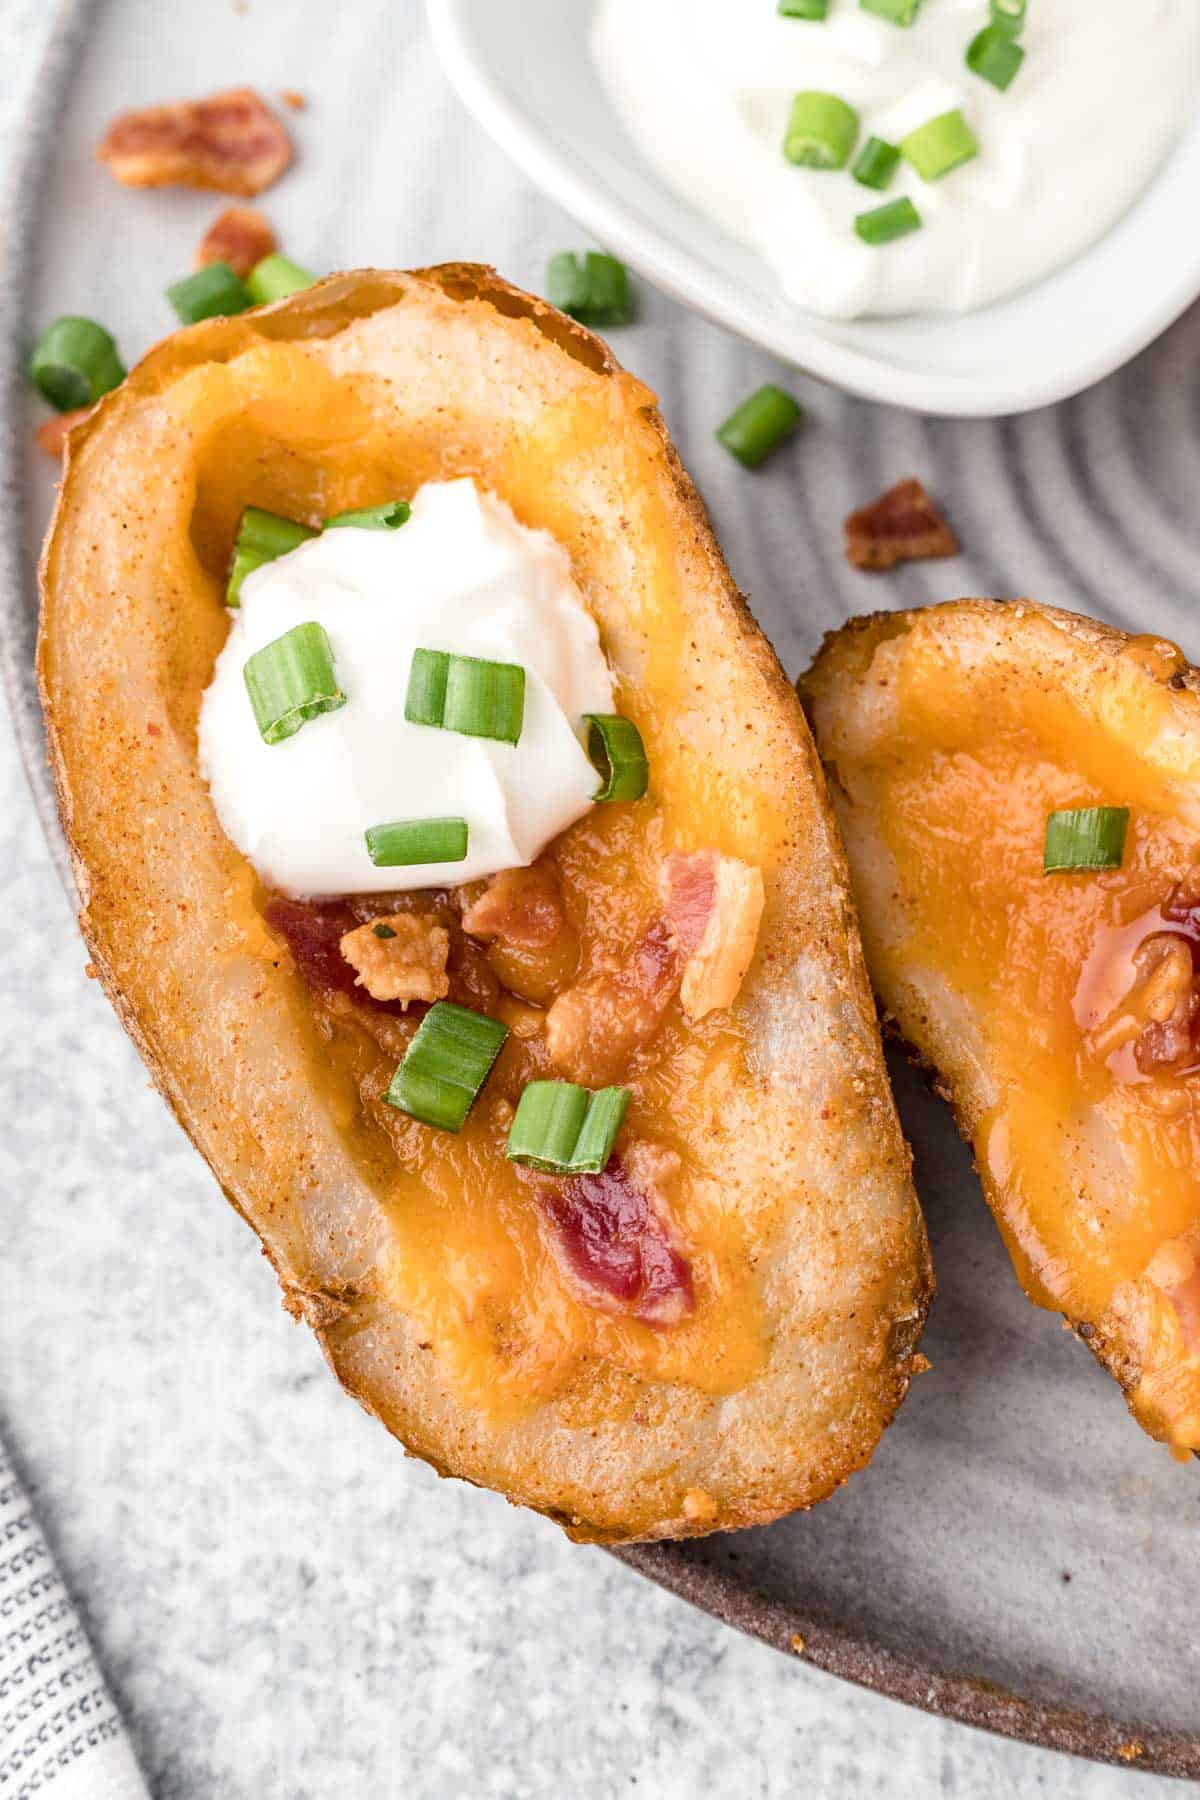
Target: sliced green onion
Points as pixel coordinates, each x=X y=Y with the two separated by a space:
x=1009 y=15
x=803 y=9
x=1086 y=837
x=941 y=144
x=821 y=132
x=995 y=55
x=291 y=681
x=760 y=425
x=445 y=1066
x=900 y=12
x=274 y=278
x=406 y=842
x=74 y=362
x=616 y=749
x=595 y=289
x=213 y=292
x=466 y=694
x=383 y=931
x=876 y=163
x=883 y=224
x=388 y=517
x=262 y=536
x=565 y=1130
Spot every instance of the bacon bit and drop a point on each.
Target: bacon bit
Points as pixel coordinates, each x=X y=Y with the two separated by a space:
x=314 y=934
x=1165 y=996
x=903 y=525
x=714 y=907
x=1182 y=905
x=534 y=947
x=596 y=1026
x=400 y=957
x=294 y=98
x=232 y=142
x=241 y=237
x=521 y=906
x=610 y=1239
x=52 y=433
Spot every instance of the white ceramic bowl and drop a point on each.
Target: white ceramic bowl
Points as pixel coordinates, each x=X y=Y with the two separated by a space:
x=522 y=68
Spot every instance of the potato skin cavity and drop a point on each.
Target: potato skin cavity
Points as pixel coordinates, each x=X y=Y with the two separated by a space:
x=414 y=1266
x=1058 y=1010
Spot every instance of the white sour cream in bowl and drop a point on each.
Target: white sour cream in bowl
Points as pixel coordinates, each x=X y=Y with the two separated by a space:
x=462 y=576
x=705 y=87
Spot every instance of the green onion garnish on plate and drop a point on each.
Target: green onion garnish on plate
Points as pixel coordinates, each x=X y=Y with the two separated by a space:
x=291 y=681
x=995 y=55
x=262 y=536
x=803 y=9
x=595 y=288
x=466 y=694
x=941 y=144
x=900 y=12
x=563 y=1129
x=1009 y=15
x=760 y=425
x=404 y=843
x=213 y=292
x=74 y=362
x=388 y=517
x=884 y=224
x=1085 y=837
x=616 y=749
x=274 y=278
x=876 y=163
x=822 y=131
x=446 y=1065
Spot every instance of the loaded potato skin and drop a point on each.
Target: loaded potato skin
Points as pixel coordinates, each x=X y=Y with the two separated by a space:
x=1057 y=1005
x=754 y=1329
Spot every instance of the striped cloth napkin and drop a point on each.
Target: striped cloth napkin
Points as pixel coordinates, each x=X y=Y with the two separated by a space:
x=60 y=1734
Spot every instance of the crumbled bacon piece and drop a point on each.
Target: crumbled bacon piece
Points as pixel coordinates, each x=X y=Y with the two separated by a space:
x=714 y=907
x=519 y=906
x=1182 y=905
x=241 y=237
x=232 y=142
x=903 y=525
x=612 y=1239
x=313 y=933
x=1165 y=997
x=52 y=433
x=534 y=948
x=400 y=957
x=594 y=1028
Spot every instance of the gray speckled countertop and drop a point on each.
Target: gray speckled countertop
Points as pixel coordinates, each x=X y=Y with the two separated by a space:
x=284 y=1605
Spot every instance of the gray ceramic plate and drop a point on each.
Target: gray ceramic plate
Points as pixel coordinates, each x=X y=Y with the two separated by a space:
x=1018 y=1555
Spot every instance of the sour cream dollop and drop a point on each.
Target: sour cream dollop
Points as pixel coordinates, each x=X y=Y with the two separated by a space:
x=704 y=88
x=462 y=575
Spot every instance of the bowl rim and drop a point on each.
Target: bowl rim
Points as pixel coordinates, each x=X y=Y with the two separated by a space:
x=685 y=278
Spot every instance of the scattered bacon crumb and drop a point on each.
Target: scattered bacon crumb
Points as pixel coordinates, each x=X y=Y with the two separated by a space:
x=241 y=237
x=610 y=1234
x=714 y=907
x=232 y=142
x=52 y=433
x=401 y=957
x=903 y=525
x=519 y=906
x=294 y=98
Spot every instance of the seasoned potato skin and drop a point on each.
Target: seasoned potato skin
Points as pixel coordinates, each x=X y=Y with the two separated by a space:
x=454 y=371
x=1142 y=695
